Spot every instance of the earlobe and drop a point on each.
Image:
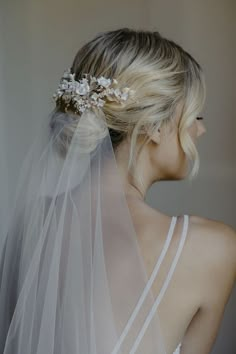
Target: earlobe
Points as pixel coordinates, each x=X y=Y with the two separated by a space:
x=156 y=136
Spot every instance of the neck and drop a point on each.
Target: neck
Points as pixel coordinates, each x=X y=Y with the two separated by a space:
x=137 y=182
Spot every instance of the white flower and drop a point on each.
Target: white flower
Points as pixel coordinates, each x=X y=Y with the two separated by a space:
x=110 y=91
x=64 y=86
x=82 y=88
x=84 y=81
x=117 y=93
x=103 y=81
x=124 y=96
x=100 y=102
x=94 y=96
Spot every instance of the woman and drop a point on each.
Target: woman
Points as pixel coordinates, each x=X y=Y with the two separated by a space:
x=87 y=265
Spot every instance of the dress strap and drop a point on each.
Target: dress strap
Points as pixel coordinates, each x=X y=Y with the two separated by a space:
x=148 y=286
x=164 y=287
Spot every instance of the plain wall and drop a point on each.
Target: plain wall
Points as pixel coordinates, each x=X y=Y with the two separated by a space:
x=39 y=40
x=3 y=143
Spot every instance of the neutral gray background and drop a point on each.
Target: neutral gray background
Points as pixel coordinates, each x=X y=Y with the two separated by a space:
x=39 y=40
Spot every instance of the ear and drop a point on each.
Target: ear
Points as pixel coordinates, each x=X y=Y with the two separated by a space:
x=155 y=136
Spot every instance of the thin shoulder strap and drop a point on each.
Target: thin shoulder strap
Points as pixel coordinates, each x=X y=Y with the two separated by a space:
x=164 y=287
x=148 y=285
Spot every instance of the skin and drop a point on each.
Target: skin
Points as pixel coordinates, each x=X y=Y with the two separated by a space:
x=193 y=305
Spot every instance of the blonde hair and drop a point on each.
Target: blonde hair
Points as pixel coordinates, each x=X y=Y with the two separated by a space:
x=163 y=76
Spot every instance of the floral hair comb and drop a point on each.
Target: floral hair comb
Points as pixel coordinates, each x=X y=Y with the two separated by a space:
x=89 y=91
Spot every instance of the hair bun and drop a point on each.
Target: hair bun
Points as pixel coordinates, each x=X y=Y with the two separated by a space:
x=87 y=130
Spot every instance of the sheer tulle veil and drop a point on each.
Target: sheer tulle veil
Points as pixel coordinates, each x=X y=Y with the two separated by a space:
x=71 y=271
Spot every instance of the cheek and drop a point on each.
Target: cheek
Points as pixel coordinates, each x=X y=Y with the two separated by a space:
x=175 y=157
x=181 y=161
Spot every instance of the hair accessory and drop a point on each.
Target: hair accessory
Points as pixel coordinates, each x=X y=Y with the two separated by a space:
x=88 y=92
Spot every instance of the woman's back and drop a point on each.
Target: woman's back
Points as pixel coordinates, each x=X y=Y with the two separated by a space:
x=198 y=290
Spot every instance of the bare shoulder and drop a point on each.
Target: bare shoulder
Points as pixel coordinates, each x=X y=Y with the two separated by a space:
x=208 y=257
x=217 y=243
x=212 y=249
x=214 y=229
x=210 y=246
x=214 y=225
x=206 y=270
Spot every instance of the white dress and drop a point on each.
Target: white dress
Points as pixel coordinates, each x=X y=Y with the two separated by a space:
x=184 y=234
x=169 y=275
x=177 y=350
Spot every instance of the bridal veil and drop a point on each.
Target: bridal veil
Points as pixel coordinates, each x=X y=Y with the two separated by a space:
x=71 y=271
